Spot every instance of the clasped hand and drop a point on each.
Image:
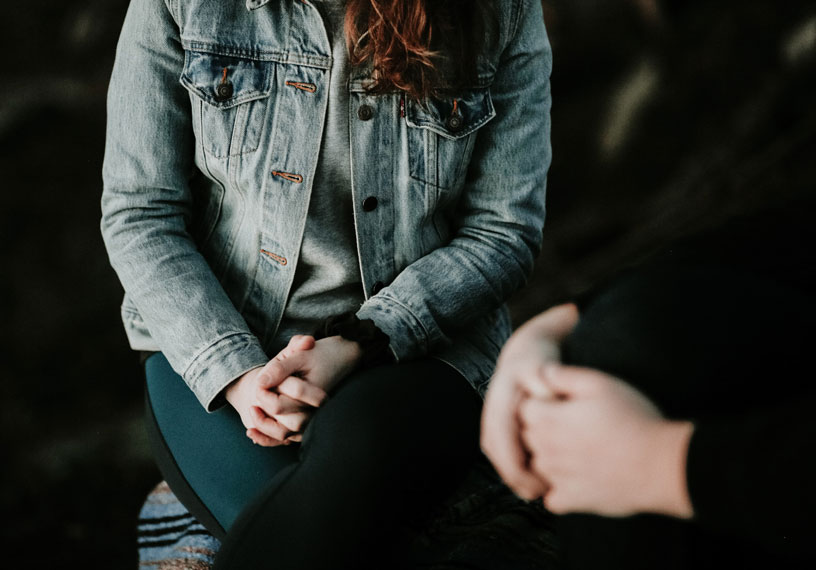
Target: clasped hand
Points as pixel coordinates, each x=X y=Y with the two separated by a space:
x=580 y=439
x=276 y=401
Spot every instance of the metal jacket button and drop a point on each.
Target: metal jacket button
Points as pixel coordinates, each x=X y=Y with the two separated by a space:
x=455 y=123
x=378 y=286
x=223 y=91
x=370 y=204
x=365 y=112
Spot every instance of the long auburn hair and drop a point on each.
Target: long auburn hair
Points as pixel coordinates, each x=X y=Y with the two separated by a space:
x=420 y=47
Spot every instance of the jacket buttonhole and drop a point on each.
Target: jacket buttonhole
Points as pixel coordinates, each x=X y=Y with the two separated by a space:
x=308 y=87
x=279 y=258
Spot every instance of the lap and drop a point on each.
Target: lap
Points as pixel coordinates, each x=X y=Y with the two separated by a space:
x=211 y=452
x=419 y=413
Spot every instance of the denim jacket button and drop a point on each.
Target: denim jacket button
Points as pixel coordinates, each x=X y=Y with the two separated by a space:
x=378 y=286
x=455 y=123
x=365 y=112
x=223 y=91
x=370 y=204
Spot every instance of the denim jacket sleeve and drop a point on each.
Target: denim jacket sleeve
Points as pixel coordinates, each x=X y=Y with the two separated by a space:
x=146 y=208
x=500 y=215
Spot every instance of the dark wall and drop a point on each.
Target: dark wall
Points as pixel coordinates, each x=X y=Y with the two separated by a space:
x=668 y=118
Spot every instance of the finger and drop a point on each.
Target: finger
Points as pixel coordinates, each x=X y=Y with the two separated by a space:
x=537 y=413
x=259 y=438
x=279 y=369
x=501 y=443
x=546 y=464
x=293 y=422
x=273 y=403
x=267 y=425
x=300 y=342
x=294 y=438
x=559 y=321
x=557 y=502
x=537 y=387
x=572 y=381
x=302 y=391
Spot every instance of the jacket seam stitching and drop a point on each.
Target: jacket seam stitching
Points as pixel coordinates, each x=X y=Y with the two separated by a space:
x=516 y=21
x=407 y=309
x=204 y=350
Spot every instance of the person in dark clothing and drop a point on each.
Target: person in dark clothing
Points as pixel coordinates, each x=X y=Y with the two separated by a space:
x=700 y=457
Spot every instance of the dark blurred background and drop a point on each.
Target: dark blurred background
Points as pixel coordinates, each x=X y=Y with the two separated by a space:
x=669 y=118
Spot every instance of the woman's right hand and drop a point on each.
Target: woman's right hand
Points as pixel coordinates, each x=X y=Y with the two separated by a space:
x=271 y=417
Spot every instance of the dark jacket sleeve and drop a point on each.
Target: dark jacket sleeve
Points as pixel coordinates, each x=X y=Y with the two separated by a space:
x=719 y=330
x=752 y=475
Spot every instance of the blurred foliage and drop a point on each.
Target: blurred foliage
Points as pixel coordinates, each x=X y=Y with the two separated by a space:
x=668 y=118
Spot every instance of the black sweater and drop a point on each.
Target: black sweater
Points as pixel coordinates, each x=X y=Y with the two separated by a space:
x=719 y=329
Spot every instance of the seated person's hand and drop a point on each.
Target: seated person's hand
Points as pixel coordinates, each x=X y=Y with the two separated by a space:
x=276 y=401
x=517 y=376
x=604 y=448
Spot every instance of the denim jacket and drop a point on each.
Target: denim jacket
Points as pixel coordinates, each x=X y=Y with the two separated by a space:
x=215 y=117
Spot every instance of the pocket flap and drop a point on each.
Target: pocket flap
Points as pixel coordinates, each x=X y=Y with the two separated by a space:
x=225 y=81
x=452 y=117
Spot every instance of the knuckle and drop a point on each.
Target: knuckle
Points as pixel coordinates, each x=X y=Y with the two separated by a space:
x=273 y=405
x=297 y=389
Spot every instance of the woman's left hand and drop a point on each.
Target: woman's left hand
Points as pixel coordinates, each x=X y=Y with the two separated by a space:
x=322 y=363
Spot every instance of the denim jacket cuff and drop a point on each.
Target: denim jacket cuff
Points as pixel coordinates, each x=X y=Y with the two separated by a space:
x=221 y=363
x=409 y=338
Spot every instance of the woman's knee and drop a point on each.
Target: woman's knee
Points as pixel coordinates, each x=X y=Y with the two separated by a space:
x=394 y=420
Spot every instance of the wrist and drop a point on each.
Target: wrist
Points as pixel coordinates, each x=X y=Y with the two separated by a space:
x=370 y=344
x=351 y=350
x=232 y=392
x=668 y=479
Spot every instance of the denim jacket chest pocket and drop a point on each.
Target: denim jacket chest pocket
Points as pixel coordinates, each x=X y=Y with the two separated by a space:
x=442 y=134
x=230 y=99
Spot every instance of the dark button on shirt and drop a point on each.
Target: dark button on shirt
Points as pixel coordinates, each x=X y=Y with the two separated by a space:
x=378 y=286
x=370 y=204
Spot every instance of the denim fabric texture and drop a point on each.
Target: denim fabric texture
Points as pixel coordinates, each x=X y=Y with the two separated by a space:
x=216 y=112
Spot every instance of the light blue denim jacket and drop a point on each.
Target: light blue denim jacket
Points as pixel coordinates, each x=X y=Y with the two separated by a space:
x=215 y=117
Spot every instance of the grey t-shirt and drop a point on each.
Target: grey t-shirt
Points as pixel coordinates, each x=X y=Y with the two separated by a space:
x=327 y=278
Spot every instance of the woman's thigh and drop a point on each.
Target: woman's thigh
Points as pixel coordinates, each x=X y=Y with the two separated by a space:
x=210 y=464
x=400 y=435
x=386 y=447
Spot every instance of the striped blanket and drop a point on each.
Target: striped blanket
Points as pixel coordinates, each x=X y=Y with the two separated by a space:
x=481 y=527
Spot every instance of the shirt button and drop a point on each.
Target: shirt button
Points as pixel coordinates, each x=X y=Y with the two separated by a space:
x=370 y=204
x=223 y=91
x=378 y=286
x=365 y=112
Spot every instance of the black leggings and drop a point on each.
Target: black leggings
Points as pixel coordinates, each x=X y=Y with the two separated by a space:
x=389 y=444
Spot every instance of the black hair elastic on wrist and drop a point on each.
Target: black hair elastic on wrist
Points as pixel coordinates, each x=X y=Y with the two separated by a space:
x=373 y=342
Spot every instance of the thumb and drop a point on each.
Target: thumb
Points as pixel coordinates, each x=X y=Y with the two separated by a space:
x=561 y=320
x=570 y=381
x=301 y=342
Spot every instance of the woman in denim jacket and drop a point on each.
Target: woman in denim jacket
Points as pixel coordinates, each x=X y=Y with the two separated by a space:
x=370 y=169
